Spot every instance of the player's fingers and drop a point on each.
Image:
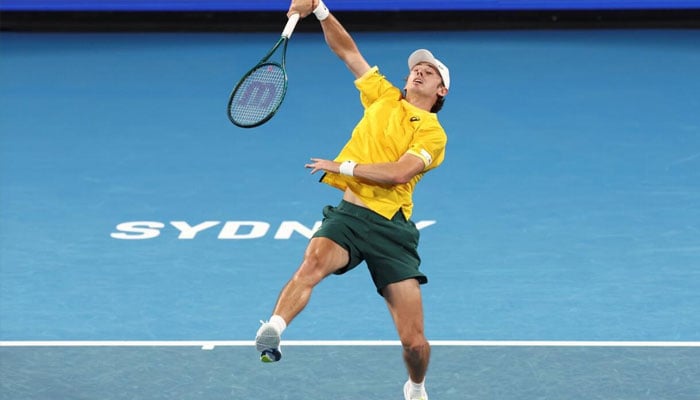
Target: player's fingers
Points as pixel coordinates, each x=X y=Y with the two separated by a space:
x=293 y=9
x=301 y=7
x=313 y=166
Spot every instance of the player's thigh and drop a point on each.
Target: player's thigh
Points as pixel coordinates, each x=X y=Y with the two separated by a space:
x=406 y=307
x=322 y=258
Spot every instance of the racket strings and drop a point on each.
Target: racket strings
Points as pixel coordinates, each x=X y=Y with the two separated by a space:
x=257 y=98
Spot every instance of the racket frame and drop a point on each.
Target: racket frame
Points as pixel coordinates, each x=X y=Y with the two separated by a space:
x=283 y=41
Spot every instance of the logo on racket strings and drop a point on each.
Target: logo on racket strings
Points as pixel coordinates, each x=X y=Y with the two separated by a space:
x=258 y=94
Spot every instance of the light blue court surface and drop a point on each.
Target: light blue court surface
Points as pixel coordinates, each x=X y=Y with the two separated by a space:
x=567 y=209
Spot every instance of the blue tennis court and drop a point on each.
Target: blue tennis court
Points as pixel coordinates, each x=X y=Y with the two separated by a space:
x=142 y=235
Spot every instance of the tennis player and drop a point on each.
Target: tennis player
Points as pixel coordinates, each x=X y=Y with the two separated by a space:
x=395 y=143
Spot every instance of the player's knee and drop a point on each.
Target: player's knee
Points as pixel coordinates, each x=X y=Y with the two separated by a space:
x=312 y=269
x=416 y=344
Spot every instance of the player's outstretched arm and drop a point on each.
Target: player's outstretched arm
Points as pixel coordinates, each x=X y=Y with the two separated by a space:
x=338 y=39
x=389 y=173
x=342 y=44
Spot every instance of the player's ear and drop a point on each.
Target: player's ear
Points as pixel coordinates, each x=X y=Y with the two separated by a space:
x=442 y=90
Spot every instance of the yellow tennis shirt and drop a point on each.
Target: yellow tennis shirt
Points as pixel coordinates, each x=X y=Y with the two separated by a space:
x=389 y=128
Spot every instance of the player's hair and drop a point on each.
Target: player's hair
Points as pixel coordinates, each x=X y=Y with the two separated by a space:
x=438 y=104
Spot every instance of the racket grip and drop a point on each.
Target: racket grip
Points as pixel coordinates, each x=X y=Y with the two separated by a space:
x=291 y=24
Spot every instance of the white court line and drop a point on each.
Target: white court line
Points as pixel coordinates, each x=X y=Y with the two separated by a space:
x=211 y=344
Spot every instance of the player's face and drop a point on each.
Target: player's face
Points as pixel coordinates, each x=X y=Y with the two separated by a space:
x=425 y=78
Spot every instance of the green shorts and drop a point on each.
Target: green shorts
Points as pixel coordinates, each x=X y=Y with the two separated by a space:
x=389 y=247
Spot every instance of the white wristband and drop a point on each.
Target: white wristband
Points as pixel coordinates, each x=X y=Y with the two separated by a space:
x=347 y=167
x=321 y=11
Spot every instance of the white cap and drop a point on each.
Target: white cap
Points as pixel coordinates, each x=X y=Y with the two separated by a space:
x=423 y=55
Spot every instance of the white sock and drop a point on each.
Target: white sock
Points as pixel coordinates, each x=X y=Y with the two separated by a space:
x=278 y=322
x=416 y=387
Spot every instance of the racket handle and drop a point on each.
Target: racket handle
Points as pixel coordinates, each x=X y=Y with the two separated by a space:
x=291 y=24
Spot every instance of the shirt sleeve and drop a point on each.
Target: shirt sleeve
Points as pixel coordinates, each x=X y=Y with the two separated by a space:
x=374 y=86
x=429 y=146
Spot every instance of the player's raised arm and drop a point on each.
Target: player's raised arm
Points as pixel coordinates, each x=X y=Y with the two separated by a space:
x=338 y=39
x=342 y=44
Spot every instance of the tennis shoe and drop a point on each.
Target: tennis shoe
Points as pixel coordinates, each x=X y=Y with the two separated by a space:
x=410 y=394
x=267 y=342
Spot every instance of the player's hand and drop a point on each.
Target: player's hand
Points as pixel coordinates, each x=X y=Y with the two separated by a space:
x=319 y=164
x=302 y=7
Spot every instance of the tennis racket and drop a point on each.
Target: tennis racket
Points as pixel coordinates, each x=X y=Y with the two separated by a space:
x=259 y=94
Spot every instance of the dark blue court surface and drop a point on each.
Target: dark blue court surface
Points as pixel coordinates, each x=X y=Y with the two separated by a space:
x=568 y=209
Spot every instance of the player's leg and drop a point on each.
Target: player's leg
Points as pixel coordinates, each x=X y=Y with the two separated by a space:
x=321 y=258
x=406 y=306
